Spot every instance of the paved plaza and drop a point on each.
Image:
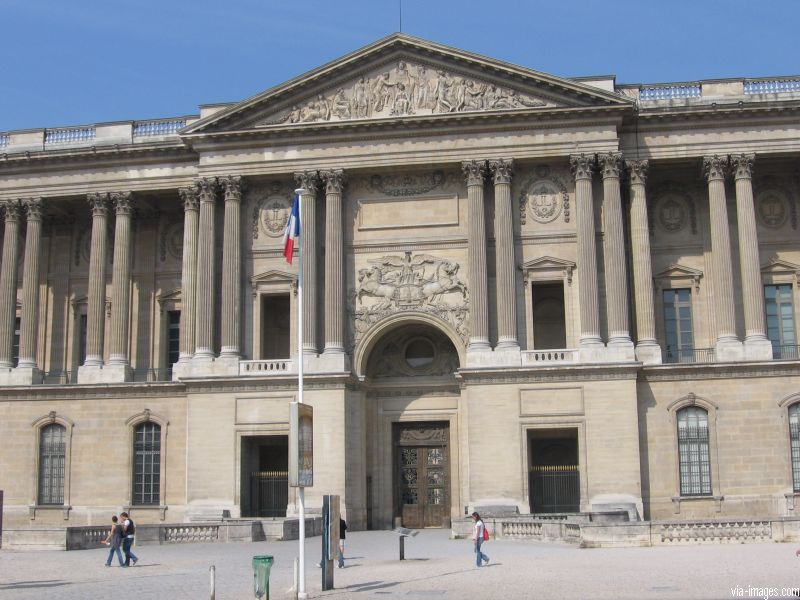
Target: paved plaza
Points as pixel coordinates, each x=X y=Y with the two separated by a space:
x=436 y=567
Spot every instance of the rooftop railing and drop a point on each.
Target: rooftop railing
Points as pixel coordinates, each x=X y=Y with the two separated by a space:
x=72 y=135
x=4 y=140
x=157 y=127
x=772 y=86
x=670 y=92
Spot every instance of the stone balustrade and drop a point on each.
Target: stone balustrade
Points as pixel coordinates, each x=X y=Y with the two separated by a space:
x=266 y=367
x=158 y=127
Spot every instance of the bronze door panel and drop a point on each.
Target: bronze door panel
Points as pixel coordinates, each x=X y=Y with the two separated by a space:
x=422 y=476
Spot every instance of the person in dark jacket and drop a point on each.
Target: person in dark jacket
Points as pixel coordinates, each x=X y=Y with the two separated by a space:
x=128 y=534
x=342 y=535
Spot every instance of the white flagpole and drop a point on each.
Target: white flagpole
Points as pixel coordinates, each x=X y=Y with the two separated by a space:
x=301 y=491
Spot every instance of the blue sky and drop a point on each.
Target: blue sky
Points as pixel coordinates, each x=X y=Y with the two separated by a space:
x=71 y=62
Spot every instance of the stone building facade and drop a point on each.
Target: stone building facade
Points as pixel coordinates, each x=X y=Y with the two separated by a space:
x=520 y=291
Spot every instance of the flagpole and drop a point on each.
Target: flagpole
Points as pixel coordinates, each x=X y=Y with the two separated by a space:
x=301 y=585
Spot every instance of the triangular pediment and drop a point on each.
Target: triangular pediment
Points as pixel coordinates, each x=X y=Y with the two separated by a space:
x=776 y=266
x=171 y=296
x=676 y=271
x=547 y=263
x=404 y=77
x=274 y=276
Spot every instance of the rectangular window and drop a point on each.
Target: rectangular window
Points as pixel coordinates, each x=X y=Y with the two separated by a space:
x=82 y=324
x=678 y=325
x=780 y=320
x=695 y=464
x=173 y=337
x=275 y=327
x=147 y=464
x=52 y=455
x=794 y=441
x=15 y=349
x=549 y=319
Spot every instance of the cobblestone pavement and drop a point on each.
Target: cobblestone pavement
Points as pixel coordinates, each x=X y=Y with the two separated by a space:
x=436 y=567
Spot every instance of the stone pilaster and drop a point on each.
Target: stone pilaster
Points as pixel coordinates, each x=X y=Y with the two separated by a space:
x=29 y=321
x=334 y=271
x=121 y=282
x=191 y=210
x=475 y=174
x=504 y=251
x=590 y=341
x=307 y=182
x=8 y=282
x=96 y=297
x=728 y=346
x=232 y=268
x=647 y=349
x=204 y=324
x=756 y=344
x=619 y=337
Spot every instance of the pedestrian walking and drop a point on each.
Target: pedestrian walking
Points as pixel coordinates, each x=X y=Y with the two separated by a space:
x=342 y=535
x=479 y=535
x=114 y=539
x=128 y=536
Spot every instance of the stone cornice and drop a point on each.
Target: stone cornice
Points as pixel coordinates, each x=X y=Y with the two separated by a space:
x=111 y=153
x=261 y=384
x=565 y=373
x=92 y=392
x=682 y=372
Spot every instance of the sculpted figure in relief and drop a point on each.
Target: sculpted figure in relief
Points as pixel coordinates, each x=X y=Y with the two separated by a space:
x=341 y=106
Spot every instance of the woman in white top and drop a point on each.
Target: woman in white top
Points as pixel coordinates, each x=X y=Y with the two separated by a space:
x=477 y=535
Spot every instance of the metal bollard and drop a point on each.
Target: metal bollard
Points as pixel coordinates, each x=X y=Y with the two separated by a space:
x=212 y=572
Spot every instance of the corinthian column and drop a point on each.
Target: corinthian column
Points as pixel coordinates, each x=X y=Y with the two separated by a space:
x=29 y=322
x=191 y=209
x=121 y=280
x=475 y=172
x=616 y=281
x=206 y=189
x=307 y=181
x=231 y=268
x=727 y=345
x=582 y=167
x=334 y=273
x=96 y=298
x=8 y=283
x=756 y=344
x=504 y=250
x=647 y=348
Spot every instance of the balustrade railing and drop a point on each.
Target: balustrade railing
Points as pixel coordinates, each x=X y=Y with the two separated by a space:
x=786 y=352
x=157 y=127
x=149 y=375
x=5 y=139
x=689 y=355
x=59 y=377
x=549 y=356
x=772 y=86
x=670 y=92
x=72 y=135
x=265 y=367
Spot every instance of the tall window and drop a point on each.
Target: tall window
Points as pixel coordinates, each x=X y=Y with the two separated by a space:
x=147 y=463
x=82 y=325
x=695 y=465
x=275 y=321
x=15 y=349
x=678 y=325
x=794 y=439
x=173 y=337
x=780 y=320
x=549 y=322
x=52 y=458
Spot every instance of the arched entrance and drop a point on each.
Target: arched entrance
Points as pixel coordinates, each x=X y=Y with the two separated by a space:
x=413 y=398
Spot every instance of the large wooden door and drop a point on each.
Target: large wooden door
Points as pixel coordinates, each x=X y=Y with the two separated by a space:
x=422 y=474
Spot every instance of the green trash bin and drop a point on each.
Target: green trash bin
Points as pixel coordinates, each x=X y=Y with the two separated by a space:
x=261 y=566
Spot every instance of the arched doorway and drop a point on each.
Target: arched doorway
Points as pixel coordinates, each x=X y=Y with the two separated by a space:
x=410 y=377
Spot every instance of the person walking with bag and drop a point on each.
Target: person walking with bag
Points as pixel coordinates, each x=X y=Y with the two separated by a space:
x=480 y=534
x=128 y=535
x=114 y=539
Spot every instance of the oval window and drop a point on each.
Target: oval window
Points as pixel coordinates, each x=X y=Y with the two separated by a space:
x=419 y=353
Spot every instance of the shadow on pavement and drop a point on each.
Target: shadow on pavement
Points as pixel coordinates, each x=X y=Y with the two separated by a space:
x=24 y=585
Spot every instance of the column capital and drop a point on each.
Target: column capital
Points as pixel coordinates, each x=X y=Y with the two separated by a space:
x=98 y=203
x=610 y=164
x=35 y=208
x=12 y=210
x=206 y=188
x=502 y=169
x=123 y=202
x=582 y=165
x=334 y=181
x=474 y=171
x=190 y=198
x=715 y=167
x=308 y=180
x=743 y=165
x=233 y=185
x=637 y=169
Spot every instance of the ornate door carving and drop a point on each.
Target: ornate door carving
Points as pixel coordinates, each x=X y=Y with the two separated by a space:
x=422 y=474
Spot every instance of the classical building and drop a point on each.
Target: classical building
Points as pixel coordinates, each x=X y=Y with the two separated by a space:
x=520 y=291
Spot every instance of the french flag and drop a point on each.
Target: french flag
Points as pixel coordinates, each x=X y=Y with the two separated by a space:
x=292 y=230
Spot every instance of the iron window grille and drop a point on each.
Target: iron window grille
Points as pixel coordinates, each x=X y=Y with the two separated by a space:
x=52 y=460
x=693 y=452
x=794 y=439
x=147 y=464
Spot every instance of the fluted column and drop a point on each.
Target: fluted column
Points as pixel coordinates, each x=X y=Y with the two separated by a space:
x=8 y=282
x=232 y=267
x=647 y=348
x=121 y=280
x=475 y=173
x=204 y=328
x=715 y=168
x=307 y=181
x=334 y=272
x=504 y=251
x=614 y=254
x=191 y=210
x=582 y=168
x=96 y=298
x=29 y=321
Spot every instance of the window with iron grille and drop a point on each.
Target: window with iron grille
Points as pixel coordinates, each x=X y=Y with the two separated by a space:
x=780 y=320
x=678 y=325
x=147 y=464
x=794 y=439
x=52 y=460
x=693 y=453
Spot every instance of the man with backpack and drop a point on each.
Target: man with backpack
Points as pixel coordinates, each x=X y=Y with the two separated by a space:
x=128 y=533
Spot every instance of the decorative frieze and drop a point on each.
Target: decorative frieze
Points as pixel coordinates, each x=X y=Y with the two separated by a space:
x=406 y=184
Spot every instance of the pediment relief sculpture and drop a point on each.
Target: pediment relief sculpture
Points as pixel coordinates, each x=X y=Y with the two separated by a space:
x=405 y=88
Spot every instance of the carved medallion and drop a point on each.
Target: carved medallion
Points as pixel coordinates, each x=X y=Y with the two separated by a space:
x=672 y=214
x=271 y=214
x=772 y=209
x=172 y=241
x=544 y=199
